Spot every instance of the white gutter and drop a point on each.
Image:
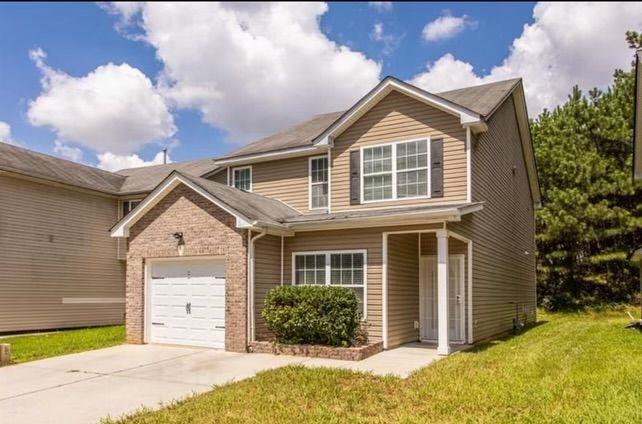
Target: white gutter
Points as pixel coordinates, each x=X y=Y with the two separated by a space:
x=250 y=285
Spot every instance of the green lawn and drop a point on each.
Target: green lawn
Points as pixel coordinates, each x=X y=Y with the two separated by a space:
x=38 y=346
x=569 y=368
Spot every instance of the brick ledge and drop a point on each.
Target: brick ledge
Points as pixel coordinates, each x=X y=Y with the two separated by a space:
x=316 y=351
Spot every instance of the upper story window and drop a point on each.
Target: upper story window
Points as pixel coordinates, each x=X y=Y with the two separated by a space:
x=395 y=171
x=242 y=178
x=129 y=205
x=319 y=182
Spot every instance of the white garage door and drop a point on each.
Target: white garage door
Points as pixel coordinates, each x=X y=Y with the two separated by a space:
x=187 y=302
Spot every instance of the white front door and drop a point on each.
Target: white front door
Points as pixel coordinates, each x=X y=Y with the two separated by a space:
x=428 y=321
x=187 y=302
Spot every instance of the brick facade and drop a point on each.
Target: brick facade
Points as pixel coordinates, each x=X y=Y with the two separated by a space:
x=207 y=231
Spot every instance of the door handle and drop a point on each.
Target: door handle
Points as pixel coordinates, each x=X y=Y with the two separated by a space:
x=188 y=308
x=458 y=298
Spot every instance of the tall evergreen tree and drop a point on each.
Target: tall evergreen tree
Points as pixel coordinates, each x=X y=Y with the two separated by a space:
x=592 y=212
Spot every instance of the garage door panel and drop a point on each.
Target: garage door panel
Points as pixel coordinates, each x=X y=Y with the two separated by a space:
x=188 y=298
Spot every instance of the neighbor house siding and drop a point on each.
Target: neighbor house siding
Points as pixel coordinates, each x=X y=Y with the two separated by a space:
x=396 y=118
x=403 y=288
x=503 y=233
x=267 y=275
x=56 y=245
x=285 y=180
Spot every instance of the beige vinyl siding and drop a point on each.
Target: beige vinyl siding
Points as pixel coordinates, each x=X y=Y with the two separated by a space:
x=403 y=288
x=55 y=245
x=220 y=176
x=396 y=118
x=285 y=180
x=370 y=239
x=267 y=275
x=503 y=233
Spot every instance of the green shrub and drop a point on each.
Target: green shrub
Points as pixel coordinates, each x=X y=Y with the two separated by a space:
x=322 y=315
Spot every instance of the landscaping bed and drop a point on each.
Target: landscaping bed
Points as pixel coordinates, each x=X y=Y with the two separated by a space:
x=356 y=353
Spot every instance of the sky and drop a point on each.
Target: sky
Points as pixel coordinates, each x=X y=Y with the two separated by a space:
x=112 y=84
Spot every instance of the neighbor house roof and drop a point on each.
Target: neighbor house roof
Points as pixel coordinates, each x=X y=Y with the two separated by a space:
x=143 y=180
x=26 y=162
x=33 y=164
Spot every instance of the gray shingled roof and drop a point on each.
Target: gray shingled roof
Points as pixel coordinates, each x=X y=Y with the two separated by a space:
x=251 y=205
x=482 y=99
x=23 y=161
x=299 y=135
x=141 y=180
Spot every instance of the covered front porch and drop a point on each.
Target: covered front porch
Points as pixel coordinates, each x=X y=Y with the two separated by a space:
x=427 y=289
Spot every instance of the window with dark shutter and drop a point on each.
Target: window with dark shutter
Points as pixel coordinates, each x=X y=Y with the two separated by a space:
x=437 y=168
x=355 y=177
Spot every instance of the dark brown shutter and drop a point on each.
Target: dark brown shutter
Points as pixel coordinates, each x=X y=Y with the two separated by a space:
x=437 y=168
x=355 y=177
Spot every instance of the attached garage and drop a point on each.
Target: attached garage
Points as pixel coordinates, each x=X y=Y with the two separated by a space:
x=186 y=302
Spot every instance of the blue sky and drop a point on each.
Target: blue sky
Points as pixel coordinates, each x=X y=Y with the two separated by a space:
x=78 y=38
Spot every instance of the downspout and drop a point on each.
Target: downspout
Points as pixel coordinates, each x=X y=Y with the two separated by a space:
x=282 y=238
x=250 y=298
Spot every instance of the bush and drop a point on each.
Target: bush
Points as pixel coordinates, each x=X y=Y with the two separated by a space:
x=322 y=315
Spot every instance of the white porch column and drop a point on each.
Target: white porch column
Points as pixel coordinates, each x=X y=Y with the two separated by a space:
x=443 y=347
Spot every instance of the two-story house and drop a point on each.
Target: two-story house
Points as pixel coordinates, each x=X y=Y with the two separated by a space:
x=421 y=203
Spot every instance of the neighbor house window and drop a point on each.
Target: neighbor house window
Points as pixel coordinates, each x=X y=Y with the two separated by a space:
x=242 y=178
x=319 y=182
x=129 y=205
x=395 y=171
x=335 y=268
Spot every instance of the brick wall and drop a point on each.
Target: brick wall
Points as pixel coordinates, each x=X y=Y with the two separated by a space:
x=207 y=231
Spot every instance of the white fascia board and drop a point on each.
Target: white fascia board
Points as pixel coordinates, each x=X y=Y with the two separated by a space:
x=122 y=228
x=466 y=117
x=268 y=156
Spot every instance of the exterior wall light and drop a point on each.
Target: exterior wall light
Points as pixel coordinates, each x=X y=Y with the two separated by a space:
x=180 y=243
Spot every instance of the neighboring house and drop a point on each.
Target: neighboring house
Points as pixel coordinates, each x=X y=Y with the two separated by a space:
x=58 y=266
x=422 y=203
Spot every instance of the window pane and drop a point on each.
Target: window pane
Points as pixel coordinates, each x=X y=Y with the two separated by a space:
x=300 y=277
x=412 y=184
x=377 y=187
x=346 y=276
x=242 y=178
x=335 y=276
x=357 y=276
x=346 y=260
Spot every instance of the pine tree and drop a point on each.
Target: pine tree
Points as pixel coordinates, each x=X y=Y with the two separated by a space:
x=592 y=212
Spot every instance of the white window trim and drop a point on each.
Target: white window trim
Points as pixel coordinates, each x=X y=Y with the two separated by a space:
x=310 y=182
x=327 y=254
x=394 y=170
x=240 y=168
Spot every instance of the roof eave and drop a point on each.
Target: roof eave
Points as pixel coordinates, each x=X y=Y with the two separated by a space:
x=447 y=214
x=269 y=155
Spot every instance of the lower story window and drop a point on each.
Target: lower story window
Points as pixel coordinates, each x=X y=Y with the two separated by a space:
x=333 y=268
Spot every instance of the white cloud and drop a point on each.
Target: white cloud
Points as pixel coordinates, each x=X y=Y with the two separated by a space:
x=253 y=68
x=446 y=26
x=381 y=6
x=5 y=133
x=68 y=152
x=552 y=54
x=111 y=162
x=390 y=41
x=114 y=108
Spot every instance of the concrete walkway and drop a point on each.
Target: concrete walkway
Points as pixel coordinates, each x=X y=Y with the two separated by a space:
x=88 y=386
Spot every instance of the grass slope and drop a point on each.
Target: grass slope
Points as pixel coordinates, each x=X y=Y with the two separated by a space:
x=40 y=346
x=569 y=368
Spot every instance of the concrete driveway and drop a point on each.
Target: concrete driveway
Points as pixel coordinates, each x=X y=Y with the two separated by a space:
x=88 y=386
